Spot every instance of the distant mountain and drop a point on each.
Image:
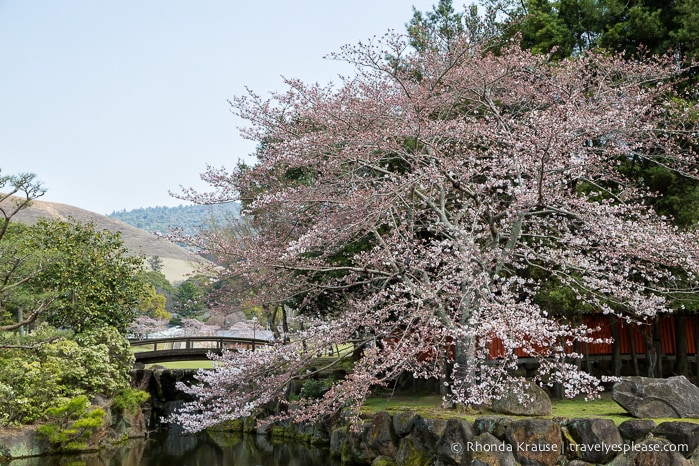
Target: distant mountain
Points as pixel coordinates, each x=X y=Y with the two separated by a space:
x=178 y=262
x=189 y=218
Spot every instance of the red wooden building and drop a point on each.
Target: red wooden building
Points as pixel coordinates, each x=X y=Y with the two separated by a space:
x=626 y=333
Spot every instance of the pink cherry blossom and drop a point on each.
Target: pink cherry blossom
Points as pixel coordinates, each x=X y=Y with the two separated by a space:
x=405 y=208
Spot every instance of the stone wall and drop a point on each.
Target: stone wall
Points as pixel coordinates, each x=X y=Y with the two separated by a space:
x=409 y=439
x=25 y=442
x=406 y=438
x=164 y=396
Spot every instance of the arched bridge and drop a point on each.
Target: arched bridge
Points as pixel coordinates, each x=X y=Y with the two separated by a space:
x=150 y=351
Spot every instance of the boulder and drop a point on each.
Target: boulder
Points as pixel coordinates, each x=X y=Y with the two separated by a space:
x=496 y=425
x=403 y=422
x=636 y=429
x=656 y=452
x=684 y=435
x=16 y=443
x=420 y=446
x=486 y=449
x=353 y=447
x=315 y=434
x=651 y=398
x=535 y=441
x=429 y=431
x=531 y=400
x=593 y=440
x=380 y=437
x=338 y=438
x=130 y=424
x=383 y=461
x=412 y=450
x=456 y=437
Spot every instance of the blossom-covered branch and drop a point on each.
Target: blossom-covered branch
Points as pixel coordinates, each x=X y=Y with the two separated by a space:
x=422 y=205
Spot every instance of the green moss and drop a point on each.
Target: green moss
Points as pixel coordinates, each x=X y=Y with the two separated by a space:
x=235 y=425
x=278 y=431
x=411 y=453
x=383 y=461
x=225 y=439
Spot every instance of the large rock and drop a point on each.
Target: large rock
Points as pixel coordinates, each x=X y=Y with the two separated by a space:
x=655 y=452
x=684 y=435
x=353 y=448
x=413 y=451
x=17 y=443
x=651 y=398
x=458 y=434
x=496 y=425
x=532 y=400
x=636 y=429
x=316 y=433
x=593 y=440
x=535 y=441
x=429 y=431
x=486 y=449
x=338 y=439
x=420 y=446
x=380 y=437
x=403 y=422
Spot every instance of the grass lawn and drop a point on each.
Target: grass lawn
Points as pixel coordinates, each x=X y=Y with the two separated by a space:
x=429 y=406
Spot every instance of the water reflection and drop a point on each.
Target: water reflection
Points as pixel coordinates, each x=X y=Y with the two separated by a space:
x=171 y=448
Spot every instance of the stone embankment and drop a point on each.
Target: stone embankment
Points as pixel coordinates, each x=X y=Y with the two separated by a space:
x=118 y=427
x=406 y=438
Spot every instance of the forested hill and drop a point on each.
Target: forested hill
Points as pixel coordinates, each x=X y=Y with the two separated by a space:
x=191 y=218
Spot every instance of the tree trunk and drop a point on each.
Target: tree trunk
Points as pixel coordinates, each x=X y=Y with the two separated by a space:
x=557 y=386
x=578 y=350
x=271 y=321
x=588 y=363
x=357 y=352
x=285 y=324
x=651 y=355
x=658 y=347
x=632 y=347
x=463 y=371
x=681 y=362
x=445 y=378
x=616 y=345
x=20 y=318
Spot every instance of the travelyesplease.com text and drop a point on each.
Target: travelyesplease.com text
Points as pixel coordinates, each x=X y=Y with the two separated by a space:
x=572 y=447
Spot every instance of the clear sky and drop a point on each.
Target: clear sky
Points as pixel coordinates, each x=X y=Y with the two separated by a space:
x=114 y=103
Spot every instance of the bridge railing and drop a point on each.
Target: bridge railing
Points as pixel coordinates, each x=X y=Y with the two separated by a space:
x=196 y=343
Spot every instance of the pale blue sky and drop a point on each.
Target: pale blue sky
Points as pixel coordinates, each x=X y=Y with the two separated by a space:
x=113 y=103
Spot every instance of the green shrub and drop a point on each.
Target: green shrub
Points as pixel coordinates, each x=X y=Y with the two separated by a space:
x=28 y=386
x=128 y=400
x=72 y=424
x=31 y=381
x=315 y=388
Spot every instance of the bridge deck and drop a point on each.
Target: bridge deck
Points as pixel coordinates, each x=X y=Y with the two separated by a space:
x=151 y=351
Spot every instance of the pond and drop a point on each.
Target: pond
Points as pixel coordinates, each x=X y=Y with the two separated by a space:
x=172 y=448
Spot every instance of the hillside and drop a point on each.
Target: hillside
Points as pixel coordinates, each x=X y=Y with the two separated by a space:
x=178 y=262
x=190 y=218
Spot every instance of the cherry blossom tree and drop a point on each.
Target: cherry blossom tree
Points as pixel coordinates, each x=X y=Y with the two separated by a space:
x=144 y=325
x=194 y=327
x=418 y=207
